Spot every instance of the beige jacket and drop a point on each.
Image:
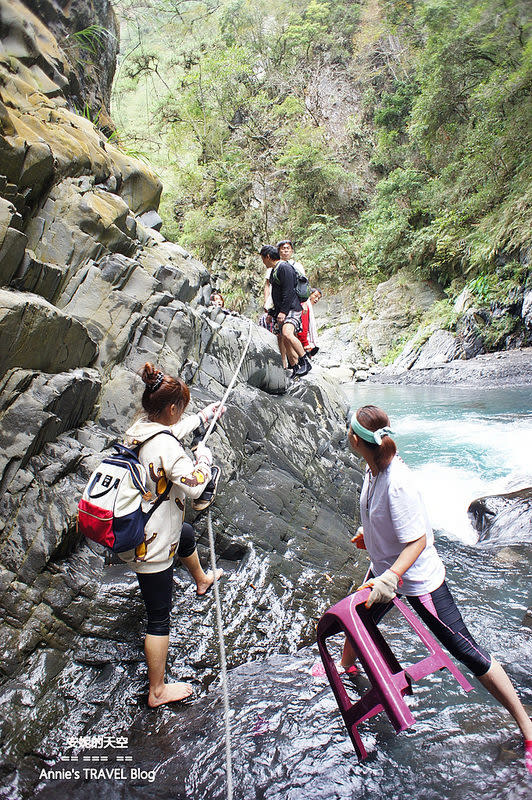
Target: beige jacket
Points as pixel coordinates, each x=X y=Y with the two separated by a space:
x=164 y=459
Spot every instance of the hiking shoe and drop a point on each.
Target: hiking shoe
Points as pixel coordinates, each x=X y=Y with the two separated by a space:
x=313 y=352
x=302 y=368
x=209 y=493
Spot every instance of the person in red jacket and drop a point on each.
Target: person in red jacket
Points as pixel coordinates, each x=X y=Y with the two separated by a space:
x=308 y=336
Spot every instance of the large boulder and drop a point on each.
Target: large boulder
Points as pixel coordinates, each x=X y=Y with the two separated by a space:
x=36 y=335
x=92 y=61
x=503 y=518
x=526 y=311
x=421 y=353
x=79 y=222
x=43 y=140
x=179 y=273
x=112 y=298
x=36 y=408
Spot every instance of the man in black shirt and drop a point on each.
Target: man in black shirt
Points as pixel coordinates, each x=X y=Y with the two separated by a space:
x=286 y=309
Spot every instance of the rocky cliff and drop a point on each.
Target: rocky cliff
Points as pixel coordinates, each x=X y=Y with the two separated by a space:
x=89 y=292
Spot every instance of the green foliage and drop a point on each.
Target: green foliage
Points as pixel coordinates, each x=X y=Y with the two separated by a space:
x=90 y=39
x=441 y=315
x=397 y=212
x=496 y=334
x=490 y=287
x=329 y=250
x=394 y=351
x=88 y=113
x=313 y=179
x=322 y=26
x=432 y=171
x=455 y=137
x=395 y=106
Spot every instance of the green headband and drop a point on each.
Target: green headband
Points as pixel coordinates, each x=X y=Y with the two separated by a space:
x=374 y=437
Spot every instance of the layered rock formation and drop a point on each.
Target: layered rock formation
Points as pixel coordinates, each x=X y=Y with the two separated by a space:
x=89 y=293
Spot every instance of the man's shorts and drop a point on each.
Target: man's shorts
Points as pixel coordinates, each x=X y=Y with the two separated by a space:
x=294 y=318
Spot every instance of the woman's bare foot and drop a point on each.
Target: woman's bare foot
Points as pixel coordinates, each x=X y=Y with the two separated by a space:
x=169 y=693
x=203 y=585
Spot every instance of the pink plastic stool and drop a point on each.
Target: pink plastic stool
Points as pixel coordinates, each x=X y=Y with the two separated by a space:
x=389 y=682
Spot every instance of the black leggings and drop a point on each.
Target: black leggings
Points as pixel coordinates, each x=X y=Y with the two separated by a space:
x=440 y=614
x=156 y=587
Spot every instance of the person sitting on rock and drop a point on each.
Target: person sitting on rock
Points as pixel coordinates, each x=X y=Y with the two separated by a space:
x=164 y=459
x=217 y=300
x=308 y=336
x=286 y=309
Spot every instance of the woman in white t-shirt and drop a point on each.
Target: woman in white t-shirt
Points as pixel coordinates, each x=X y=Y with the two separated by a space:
x=398 y=536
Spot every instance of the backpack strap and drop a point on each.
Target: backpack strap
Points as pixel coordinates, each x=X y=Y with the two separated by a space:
x=274 y=278
x=162 y=497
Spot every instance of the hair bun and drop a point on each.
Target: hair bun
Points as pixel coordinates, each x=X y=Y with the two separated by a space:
x=152 y=377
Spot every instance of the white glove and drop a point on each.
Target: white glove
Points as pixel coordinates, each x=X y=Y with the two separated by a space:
x=209 y=411
x=203 y=454
x=383 y=588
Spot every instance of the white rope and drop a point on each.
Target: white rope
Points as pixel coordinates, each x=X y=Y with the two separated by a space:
x=223 y=662
x=229 y=388
x=219 y=620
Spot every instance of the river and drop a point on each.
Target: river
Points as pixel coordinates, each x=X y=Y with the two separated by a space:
x=287 y=737
x=462 y=443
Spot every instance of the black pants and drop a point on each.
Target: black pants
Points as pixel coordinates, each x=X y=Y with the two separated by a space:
x=156 y=587
x=441 y=616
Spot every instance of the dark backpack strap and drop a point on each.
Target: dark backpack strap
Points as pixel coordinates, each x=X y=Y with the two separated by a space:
x=162 y=497
x=295 y=273
x=140 y=444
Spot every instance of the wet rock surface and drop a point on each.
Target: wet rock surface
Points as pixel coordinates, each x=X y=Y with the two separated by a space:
x=287 y=737
x=89 y=293
x=105 y=292
x=504 y=518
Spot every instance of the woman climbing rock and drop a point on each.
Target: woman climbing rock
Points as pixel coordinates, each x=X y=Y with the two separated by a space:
x=164 y=401
x=399 y=539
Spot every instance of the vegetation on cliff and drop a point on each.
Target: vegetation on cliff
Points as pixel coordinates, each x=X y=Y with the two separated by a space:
x=378 y=135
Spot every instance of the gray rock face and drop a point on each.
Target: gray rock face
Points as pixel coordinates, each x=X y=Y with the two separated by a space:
x=91 y=293
x=351 y=346
x=12 y=241
x=503 y=518
x=507 y=368
x=36 y=408
x=90 y=81
x=151 y=219
x=526 y=312
x=398 y=303
x=36 y=335
x=441 y=348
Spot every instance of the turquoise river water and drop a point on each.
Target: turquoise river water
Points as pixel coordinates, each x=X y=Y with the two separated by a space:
x=462 y=444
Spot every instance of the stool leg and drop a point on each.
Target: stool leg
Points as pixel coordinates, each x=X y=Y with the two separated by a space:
x=342 y=698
